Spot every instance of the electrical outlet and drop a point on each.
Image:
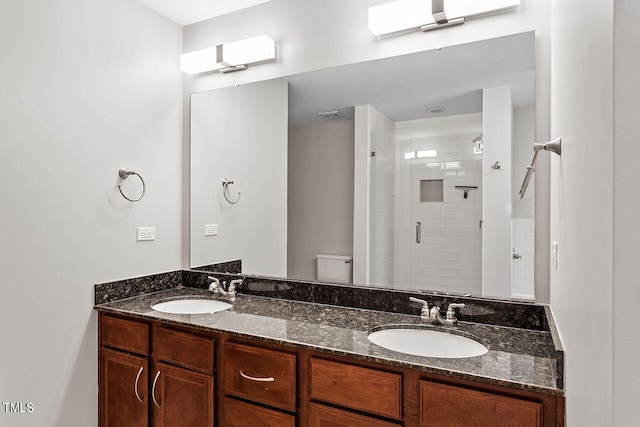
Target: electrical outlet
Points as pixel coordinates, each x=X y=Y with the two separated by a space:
x=554 y=254
x=146 y=233
x=211 y=229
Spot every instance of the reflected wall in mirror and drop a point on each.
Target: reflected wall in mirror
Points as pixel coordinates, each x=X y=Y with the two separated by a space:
x=398 y=173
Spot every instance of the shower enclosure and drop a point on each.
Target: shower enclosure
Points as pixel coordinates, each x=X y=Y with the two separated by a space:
x=430 y=180
x=426 y=205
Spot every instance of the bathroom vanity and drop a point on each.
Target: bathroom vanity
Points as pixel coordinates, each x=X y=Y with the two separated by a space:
x=275 y=362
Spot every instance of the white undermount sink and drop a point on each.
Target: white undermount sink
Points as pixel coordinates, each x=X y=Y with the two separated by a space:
x=191 y=306
x=427 y=342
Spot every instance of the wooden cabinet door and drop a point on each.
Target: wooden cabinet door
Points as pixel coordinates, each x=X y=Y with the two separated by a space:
x=444 y=405
x=181 y=398
x=123 y=390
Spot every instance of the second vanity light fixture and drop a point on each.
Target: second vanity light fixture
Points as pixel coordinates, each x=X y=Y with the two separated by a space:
x=229 y=57
x=426 y=15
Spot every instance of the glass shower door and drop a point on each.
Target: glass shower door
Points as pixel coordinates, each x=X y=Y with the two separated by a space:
x=436 y=205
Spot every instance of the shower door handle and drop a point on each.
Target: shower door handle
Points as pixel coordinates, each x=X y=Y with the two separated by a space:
x=418 y=231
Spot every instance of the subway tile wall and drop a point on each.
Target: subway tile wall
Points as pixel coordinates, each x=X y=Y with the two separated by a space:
x=449 y=255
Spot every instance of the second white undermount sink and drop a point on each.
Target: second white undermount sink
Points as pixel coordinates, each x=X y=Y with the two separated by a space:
x=191 y=306
x=427 y=342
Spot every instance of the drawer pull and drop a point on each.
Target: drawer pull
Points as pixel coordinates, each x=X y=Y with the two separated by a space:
x=153 y=389
x=135 y=386
x=264 y=380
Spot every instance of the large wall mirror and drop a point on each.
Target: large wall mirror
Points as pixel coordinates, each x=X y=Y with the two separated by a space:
x=397 y=173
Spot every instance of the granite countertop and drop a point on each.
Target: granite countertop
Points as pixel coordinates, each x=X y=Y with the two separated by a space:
x=517 y=358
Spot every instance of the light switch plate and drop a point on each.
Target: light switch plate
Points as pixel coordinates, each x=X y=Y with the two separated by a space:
x=211 y=229
x=146 y=233
x=554 y=254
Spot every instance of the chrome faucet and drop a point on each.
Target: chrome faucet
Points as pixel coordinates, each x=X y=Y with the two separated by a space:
x=432 y=315
x=218 y=288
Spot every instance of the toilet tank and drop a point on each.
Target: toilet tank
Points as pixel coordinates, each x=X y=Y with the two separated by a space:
x=334 y=268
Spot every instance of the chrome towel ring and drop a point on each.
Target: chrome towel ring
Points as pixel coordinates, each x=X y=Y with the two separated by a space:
x=124 y=173
x=225 y=184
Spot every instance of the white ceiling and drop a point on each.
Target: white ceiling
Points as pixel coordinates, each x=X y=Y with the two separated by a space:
x=405 y=87
x=186 y=12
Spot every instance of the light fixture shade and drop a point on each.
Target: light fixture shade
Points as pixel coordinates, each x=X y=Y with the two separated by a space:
x=403 y=15
x=399 y=15
x=249 y=51
x=230 y=56
x=200 y=61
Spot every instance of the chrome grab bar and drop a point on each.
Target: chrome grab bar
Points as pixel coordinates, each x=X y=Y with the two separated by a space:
x=418 y=232
x=264 y=380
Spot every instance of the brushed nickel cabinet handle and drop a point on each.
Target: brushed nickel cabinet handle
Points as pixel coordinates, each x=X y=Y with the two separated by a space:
x=135 y=386
x=153 y=389
x=418 y=232
x=264 y=380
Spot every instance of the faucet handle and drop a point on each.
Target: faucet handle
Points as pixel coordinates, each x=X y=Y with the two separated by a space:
x=215 y=283
x=234 y=283
x=421 y=301
x=425 y=307
x=451 y=313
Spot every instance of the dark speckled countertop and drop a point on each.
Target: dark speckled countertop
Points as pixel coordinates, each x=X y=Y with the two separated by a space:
x=517 y=358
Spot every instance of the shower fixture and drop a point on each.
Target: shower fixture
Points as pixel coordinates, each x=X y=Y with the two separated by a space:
x=554 y=146
x=478 y=145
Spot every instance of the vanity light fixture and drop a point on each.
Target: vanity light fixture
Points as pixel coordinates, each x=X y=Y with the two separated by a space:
x=427 y=15
x=229 y=57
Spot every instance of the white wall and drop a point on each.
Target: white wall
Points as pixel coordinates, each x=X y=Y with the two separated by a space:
x=497 y=129
x=87 y=87
x=312 y=35
x=240 y=133
x=582 y=215
x=523 y=209
x=320 y=196
x=626 y=274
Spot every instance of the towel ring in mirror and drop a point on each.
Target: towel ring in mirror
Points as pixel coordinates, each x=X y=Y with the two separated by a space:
x=225 y=184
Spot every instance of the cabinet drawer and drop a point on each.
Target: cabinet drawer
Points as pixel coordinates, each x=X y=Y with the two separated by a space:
x=444 y=405
x=260 y=375
x=124 y=334
x=363 y=389
x=241 y=414
x=184 y=349
x=326 y=416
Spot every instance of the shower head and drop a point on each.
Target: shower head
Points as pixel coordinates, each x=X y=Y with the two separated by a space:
x=477 y=139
